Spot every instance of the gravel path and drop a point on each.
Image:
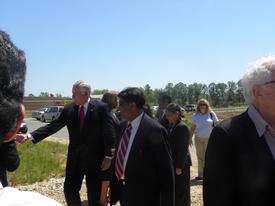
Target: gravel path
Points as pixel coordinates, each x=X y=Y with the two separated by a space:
x=54 y=187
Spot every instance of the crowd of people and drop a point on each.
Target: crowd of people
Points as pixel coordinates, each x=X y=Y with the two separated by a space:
x=139 y=159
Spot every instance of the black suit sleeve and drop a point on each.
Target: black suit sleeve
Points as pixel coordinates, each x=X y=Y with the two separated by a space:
x=9 y=158
x=108 y=131
x=181 y=150
x=164 y=166
x=51 y=128
x=219 y=170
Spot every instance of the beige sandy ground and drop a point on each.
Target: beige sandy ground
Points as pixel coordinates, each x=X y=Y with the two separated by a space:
x=54 y=187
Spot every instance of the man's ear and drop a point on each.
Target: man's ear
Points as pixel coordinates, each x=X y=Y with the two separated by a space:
x=19 y=119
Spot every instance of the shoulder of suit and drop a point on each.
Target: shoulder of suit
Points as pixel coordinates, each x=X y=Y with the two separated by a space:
x=98 y=103
x=152 y=122
x=69 y=106
x=237 y=123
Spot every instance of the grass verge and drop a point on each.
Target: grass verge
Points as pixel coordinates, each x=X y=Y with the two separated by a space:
x=40 y=162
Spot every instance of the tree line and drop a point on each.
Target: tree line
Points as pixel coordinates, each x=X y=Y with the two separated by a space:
x=219 y=94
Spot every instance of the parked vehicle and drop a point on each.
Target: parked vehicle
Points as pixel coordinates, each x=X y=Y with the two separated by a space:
x=52 y=113
x=190 y=107
x=37 y=114
x=23 y=128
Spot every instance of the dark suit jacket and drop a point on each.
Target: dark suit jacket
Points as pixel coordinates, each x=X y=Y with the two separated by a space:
x=179 y=142
x=239 y=166
x=87 y=147
x=9 y=160
x=161 y=117
x=149 y=175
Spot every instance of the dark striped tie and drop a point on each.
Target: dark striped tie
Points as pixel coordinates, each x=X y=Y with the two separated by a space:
x=122 y=151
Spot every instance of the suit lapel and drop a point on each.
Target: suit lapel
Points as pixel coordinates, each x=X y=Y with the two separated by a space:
x=90 y=110
x=136 y=143
x=76 y=115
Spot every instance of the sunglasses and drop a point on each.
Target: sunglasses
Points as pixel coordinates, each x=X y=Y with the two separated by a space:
x=270 y=82
x=202 y=104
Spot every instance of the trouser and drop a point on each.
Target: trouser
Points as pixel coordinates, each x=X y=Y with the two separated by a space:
x=201 y=145
x=72 y=186
x=116 y=193
x=182 y=188
x=121 y=195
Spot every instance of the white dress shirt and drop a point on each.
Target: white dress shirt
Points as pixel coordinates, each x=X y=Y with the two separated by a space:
x=85 y=107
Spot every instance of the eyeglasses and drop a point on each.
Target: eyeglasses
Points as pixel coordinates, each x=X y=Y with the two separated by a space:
x=270 y=82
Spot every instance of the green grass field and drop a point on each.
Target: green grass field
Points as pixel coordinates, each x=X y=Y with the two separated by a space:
x=40 y=162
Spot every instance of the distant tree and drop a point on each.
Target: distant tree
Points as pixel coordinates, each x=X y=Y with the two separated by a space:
x=169 y=89
x=196 y=91
x=157 y=92
x=221 y=92
x=149 y=95
x=31 y=95
x=99 y=91
x=231 y=93
x=44 y=94
x=239 y=94
x=58 y=95
x=180 y=93
x=213 y=94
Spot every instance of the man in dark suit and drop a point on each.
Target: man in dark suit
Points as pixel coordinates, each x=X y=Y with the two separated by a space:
x=143 y=164
x=240 y=157
x=163 y=100
x=92 y=139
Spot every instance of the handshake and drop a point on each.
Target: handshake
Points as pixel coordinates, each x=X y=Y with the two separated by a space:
x=21 y=138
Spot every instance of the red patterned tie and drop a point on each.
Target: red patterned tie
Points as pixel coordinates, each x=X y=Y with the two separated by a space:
x=81 y=117
x=122 y=151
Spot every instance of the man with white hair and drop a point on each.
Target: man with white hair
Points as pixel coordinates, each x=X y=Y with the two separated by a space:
x=240 y=158
x=92 y=140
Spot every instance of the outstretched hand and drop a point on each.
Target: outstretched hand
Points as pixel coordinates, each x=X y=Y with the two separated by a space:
x=21 y=138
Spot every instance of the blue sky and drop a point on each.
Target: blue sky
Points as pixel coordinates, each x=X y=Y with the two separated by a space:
x=113 y=44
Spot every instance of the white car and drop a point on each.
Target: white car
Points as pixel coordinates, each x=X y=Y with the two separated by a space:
x=37 y=114
x=52 y=113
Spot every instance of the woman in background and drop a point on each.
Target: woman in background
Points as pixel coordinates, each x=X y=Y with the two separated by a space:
x=203 y=122
x=178 y=140
x=110 y=98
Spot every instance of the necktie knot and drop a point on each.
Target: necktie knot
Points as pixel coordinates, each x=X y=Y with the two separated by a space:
x=129 y=127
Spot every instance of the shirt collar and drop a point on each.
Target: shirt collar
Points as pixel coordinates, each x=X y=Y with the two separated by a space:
x=135 y=123
x=257 y=120
x=86 y=104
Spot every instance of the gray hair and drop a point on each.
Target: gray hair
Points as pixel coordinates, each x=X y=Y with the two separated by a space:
x=257 y=74
x=83 y=86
